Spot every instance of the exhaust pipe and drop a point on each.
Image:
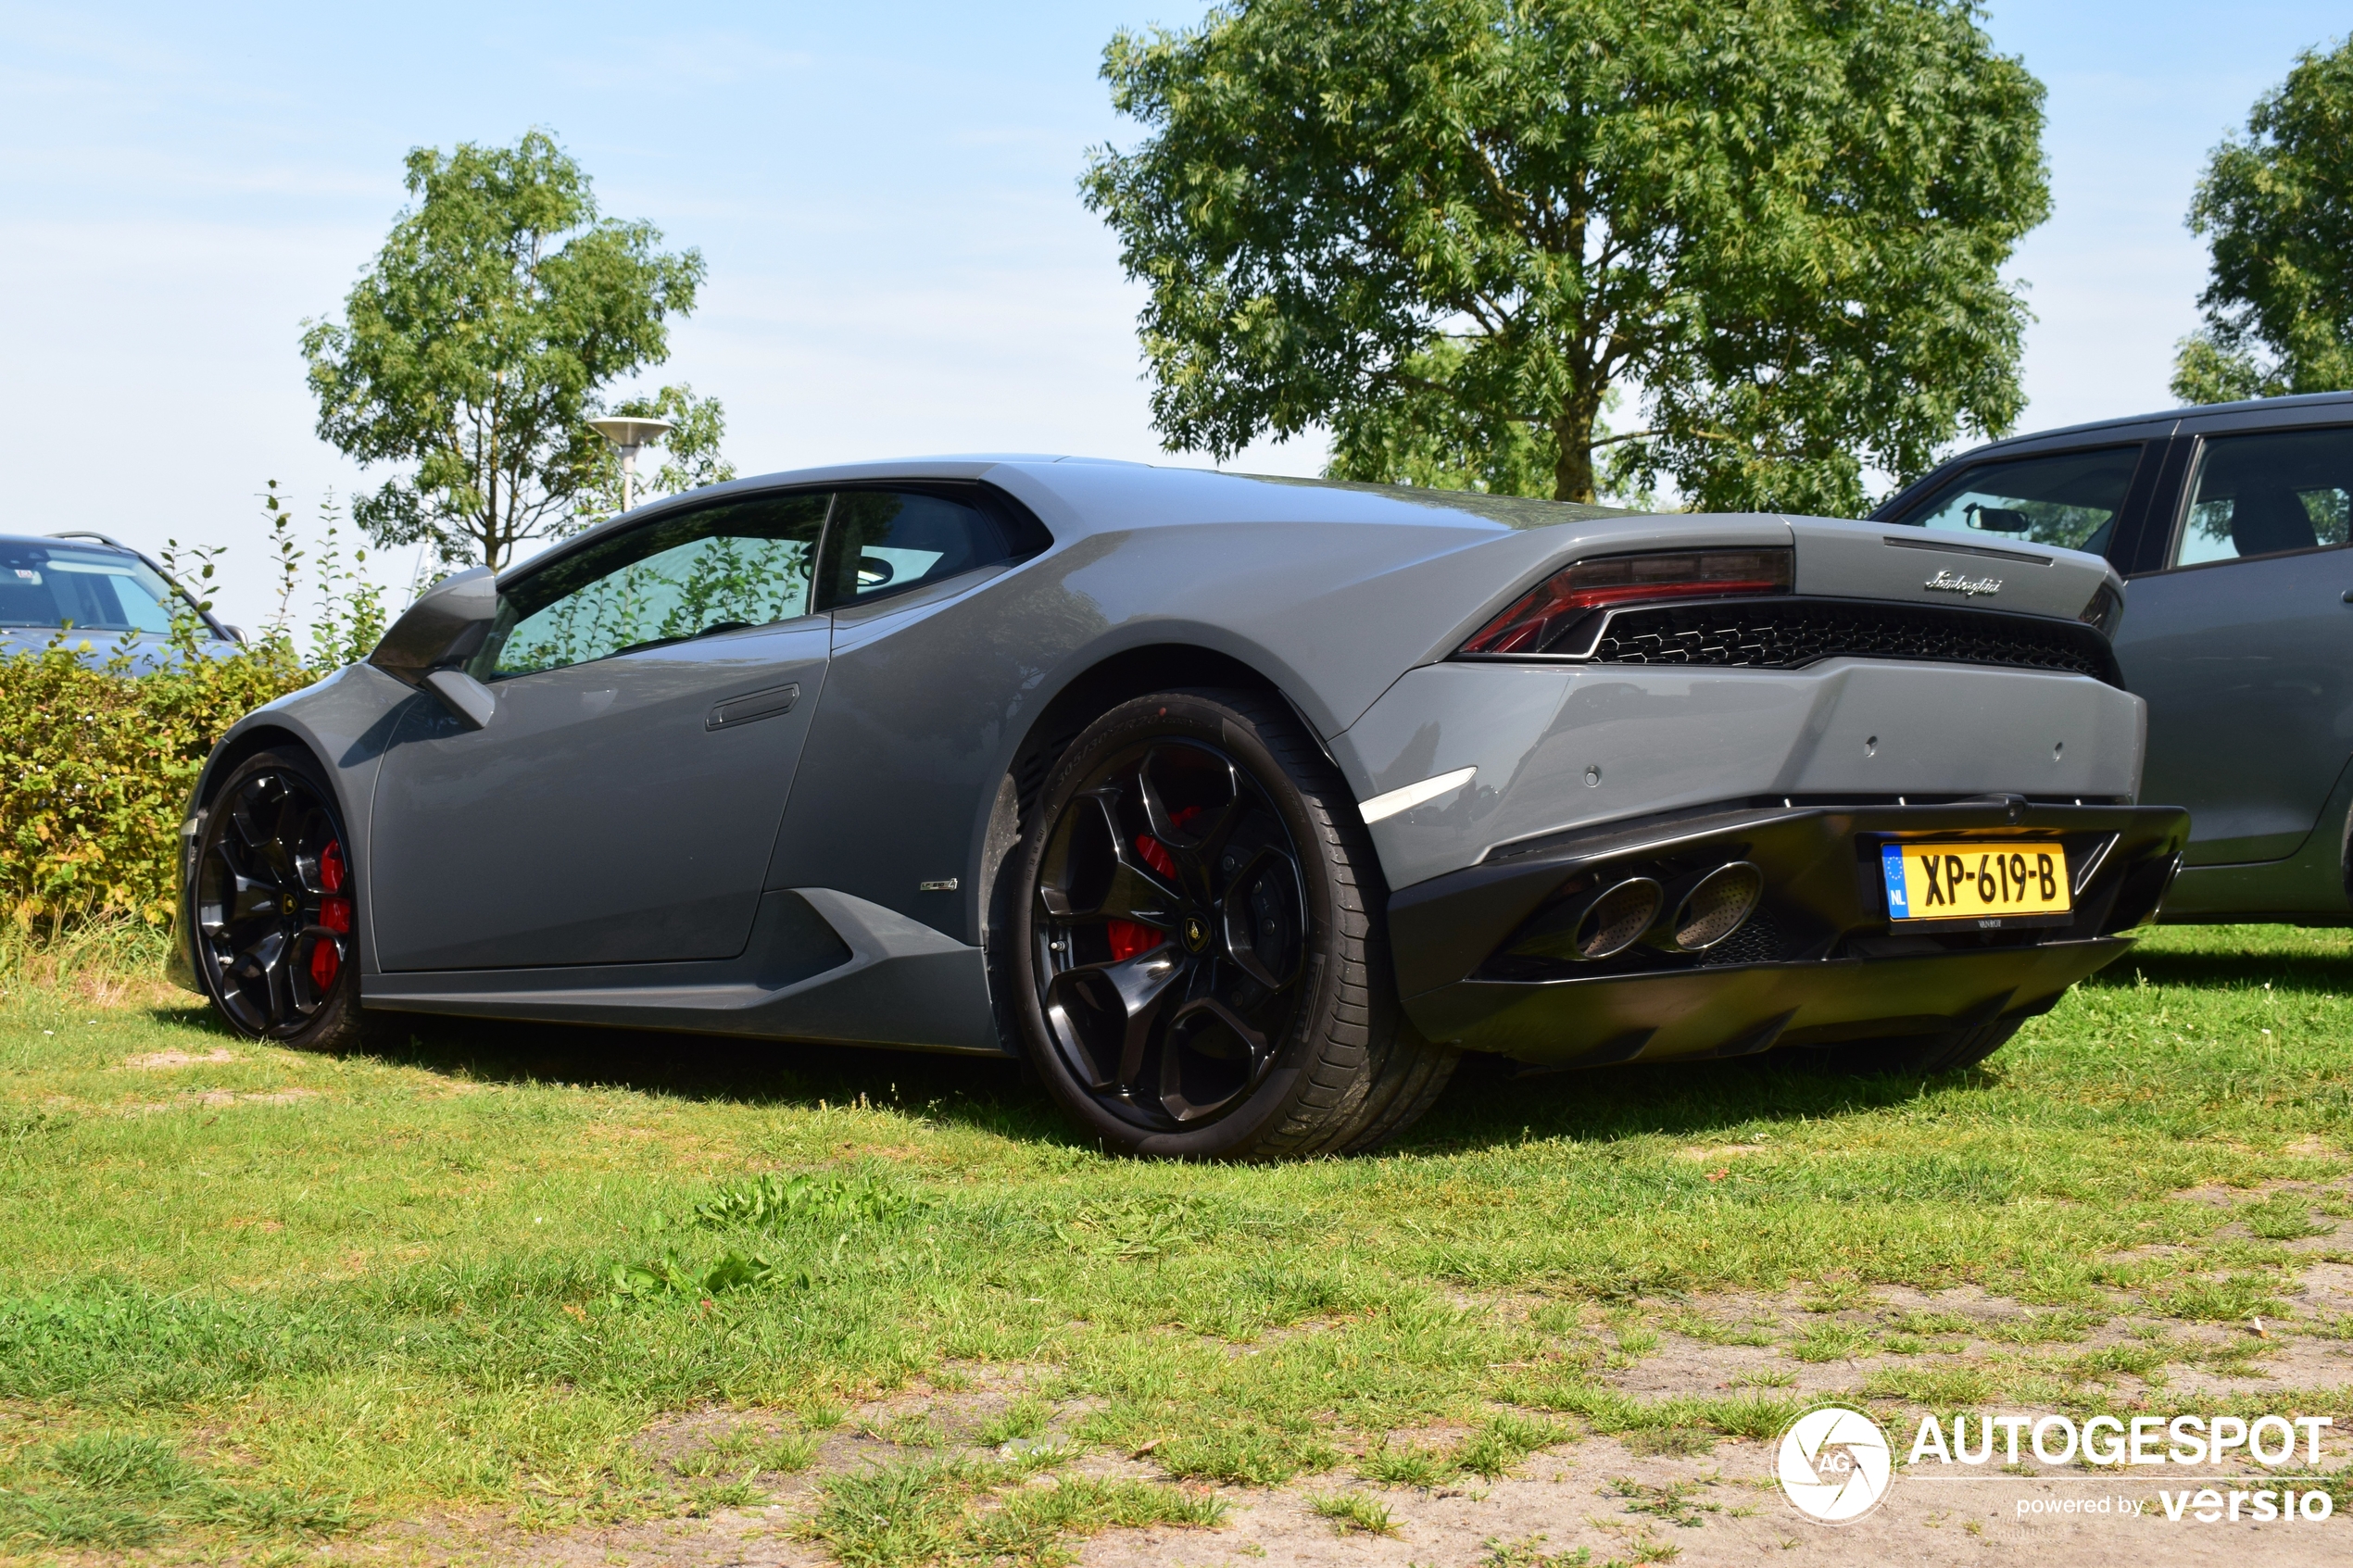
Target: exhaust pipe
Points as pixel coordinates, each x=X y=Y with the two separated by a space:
x=1599 y=925
x=1710 y=906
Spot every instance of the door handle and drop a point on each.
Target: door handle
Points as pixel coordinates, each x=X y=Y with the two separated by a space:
x=753 y=704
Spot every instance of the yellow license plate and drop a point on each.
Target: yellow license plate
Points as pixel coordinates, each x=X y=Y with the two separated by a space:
x=1986 y=881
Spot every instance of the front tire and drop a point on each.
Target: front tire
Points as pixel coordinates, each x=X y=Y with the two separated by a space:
x=275 y=907
x=1200 y=968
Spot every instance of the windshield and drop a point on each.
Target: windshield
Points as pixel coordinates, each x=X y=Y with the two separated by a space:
x=51 y=587
x=2065 y=498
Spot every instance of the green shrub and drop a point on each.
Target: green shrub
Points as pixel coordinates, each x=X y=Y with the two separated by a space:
x=97 y=762
x=98 y=765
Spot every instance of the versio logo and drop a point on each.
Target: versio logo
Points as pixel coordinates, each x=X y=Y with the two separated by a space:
x=1834 y=1464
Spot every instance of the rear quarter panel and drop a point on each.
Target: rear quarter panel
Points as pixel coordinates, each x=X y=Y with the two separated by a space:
x=930 y=696
x=1564 y=747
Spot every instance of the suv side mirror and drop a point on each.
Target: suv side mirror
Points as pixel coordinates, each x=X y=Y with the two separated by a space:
x=426 y=647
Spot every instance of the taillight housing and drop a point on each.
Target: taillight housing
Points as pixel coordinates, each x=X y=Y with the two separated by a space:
x=1544 y=617
x=2106 y=608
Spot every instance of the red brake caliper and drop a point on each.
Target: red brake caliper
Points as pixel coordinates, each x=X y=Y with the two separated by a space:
x=1130 y=937
x=335 y=914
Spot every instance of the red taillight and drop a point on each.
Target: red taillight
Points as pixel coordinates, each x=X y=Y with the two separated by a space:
x=2105 y=608
x=1569 y=595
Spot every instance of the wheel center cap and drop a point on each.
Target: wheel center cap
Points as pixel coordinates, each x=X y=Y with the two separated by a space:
x=1196 y=933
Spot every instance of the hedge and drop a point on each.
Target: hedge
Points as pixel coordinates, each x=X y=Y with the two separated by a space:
x=96 y=764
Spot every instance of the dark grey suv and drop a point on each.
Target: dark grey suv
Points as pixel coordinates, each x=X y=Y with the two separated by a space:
x=2230 y=525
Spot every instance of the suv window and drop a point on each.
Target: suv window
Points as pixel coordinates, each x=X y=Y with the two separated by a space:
x=2065 y=498
x=94 y=590
x=714 y=569
x=2265 y=495
x=886 y=541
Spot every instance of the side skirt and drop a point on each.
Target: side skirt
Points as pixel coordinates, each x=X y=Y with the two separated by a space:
x=820 y=966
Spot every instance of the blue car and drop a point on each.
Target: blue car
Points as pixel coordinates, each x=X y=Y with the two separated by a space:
x=100 y=597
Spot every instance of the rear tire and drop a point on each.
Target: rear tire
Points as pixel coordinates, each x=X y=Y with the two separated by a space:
x=1197 y=957
x=275 y=907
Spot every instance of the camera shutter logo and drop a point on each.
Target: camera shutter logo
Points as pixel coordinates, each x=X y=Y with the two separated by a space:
x=1835 y=1464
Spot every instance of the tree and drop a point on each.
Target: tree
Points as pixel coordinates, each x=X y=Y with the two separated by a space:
x=2277 y=208
x=690 y=453
x=477 y=345
x=1454 y=226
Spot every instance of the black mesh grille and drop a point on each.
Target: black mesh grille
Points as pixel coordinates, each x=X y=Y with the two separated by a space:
x=1785 y=633
x=1764 y=937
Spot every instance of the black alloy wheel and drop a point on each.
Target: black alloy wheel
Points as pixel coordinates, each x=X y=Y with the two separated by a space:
x=1172 y=926
x=1198 y=972
x=274 y=906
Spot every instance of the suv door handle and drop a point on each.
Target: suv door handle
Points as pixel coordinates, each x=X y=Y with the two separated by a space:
x=753 y=704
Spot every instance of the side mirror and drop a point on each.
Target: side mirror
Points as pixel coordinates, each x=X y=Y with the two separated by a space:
x=427 y=646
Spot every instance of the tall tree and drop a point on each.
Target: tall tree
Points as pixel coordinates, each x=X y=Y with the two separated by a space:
x=478 y=344
x=2277 y=207
x=1454 y=226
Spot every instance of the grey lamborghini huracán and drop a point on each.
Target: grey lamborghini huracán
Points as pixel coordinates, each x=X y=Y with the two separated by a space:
x=1240 y=807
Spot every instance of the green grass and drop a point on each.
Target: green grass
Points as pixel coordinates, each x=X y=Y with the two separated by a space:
x=1405 y=1465
x=1678 y=1502
x=895 y=1516
x=111 y=1489
x=472 y=1272
x=1354 y=1513
x=1527 y=1552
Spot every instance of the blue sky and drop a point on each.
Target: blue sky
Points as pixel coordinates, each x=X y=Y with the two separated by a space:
x=885 y=194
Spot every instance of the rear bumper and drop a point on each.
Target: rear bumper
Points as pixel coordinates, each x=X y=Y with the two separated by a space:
x=1816 y=963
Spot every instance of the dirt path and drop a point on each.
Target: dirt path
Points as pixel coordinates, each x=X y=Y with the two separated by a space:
x=1594 y=1503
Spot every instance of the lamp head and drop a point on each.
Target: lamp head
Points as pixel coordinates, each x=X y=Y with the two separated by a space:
x=630 y=431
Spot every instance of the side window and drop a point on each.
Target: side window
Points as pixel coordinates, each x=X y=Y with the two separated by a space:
x=48 y=586
x=2065 y=498
x=2264 y=495
x=885 y=541
x=716 y=568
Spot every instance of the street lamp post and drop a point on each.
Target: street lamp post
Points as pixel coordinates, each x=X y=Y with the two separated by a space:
x=632 y=435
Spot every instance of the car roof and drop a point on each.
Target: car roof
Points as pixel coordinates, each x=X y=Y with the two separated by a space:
x=1079 y=496
x=2309 y=408
x=55 y=542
